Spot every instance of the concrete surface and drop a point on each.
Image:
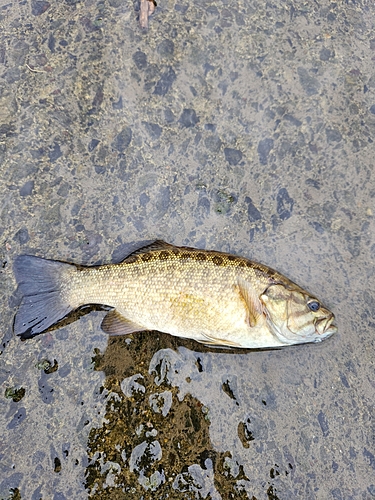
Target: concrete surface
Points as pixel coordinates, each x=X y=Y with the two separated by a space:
x=239 y=126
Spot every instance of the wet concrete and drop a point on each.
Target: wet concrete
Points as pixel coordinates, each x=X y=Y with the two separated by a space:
x=243 y=127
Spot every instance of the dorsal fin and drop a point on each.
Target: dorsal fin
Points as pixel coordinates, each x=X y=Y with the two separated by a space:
x=156 y=245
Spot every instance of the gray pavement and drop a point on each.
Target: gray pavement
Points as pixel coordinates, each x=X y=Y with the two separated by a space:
x=238 y=126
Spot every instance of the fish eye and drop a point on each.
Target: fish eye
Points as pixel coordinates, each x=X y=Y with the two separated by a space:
x=313 y=305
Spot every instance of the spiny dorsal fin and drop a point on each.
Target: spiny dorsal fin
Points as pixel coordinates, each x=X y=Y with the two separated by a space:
x=254 y=305
x=156 y=245
x=116 y=324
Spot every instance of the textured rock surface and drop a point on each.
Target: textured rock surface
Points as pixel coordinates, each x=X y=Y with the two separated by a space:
x=238 y=126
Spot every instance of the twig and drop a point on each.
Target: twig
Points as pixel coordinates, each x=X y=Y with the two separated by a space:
x=147 y=7
x=35 y=70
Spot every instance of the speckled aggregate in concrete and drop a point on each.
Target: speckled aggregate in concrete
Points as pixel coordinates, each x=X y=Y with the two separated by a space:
x=239 y=126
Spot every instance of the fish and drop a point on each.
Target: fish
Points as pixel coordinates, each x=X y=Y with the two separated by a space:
x=212 y=297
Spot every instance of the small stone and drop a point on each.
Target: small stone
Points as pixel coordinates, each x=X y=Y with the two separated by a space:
x=22 y=236
x=100 y=169
x=233 y=156
x=213 y=143
x=292 y=120
x=318 y=227
x=188 y=118
x=118 y=104
x=6 y=129
x=325 y=54
x=165 y=48
x=123 y=139
x=140 y=59
x=38 y=7
x=27 y=188
x=51 y=42
x=284 y=204
x=370 y=458
x=333 y=135
x=63 y=190
x=165 y=82
x=154 y=130
x=264 y=148
x=253 y=213
x=169 y=116
x=92 y=145
x=55 y=152
x=210 y=127
x=310 y=84
x=323 y=423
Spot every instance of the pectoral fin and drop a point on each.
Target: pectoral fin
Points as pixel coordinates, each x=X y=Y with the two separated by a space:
x=254 y=305
x=115 y=324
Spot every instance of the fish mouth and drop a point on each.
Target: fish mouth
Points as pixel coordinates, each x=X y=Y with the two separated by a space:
x=324 y=327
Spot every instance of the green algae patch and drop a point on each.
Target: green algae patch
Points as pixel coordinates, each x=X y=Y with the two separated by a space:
x=15 y=393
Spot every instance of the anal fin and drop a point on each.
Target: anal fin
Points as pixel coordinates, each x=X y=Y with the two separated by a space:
x=116 y=324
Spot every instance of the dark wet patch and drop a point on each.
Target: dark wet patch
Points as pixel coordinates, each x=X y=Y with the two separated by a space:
x=152 y=441
x=244 y=433
x=46 y=391
x=57 y=465
x=199 y=364
x=271 y=493
x=15 y=494
x=18 y=418
x=226 y=386
x=274 y=471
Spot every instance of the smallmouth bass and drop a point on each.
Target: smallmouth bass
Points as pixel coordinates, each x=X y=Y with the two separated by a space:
x=212 y=297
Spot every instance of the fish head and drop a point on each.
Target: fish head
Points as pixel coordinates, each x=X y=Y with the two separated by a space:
x=296 y=317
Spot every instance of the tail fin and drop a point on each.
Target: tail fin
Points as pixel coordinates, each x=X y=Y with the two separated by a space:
x=39 y=283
